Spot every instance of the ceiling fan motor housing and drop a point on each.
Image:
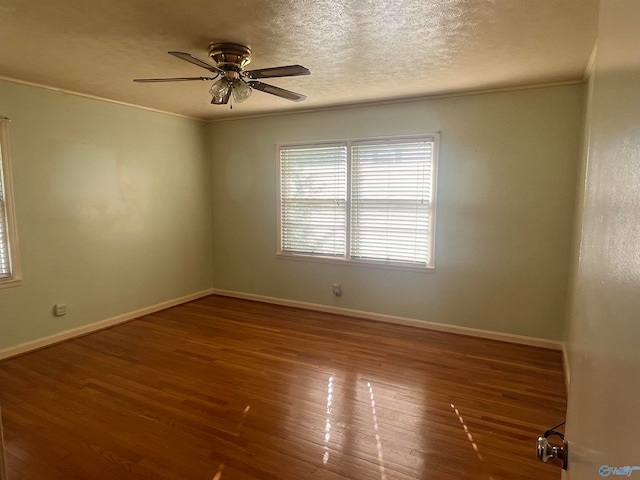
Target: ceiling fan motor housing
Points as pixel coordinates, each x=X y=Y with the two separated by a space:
x=230 y=56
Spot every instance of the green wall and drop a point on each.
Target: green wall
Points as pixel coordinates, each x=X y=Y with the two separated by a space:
x=506 y=189
x=113 y=210
x=120 y=209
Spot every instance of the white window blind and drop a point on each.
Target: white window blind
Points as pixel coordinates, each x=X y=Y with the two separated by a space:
x=391 y=201
x=313 y=193
x=360 y=200
x=5 y=270
x=9 y=262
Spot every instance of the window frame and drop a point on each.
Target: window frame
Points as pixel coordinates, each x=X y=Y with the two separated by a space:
x=346 y=259
x=15 y=272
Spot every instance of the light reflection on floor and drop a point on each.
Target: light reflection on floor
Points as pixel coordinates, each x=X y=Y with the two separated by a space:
x=466 y=430
x=474 y=445
x=244 y=415
x=327 y=426
x=383 y=475
x=218 y=474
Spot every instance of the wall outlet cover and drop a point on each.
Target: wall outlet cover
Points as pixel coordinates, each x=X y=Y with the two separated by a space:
x=60 y=309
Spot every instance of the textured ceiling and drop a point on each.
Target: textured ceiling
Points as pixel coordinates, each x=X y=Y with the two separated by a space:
x=357 y=50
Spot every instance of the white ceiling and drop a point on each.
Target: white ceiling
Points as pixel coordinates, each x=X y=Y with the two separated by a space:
x=357 y=50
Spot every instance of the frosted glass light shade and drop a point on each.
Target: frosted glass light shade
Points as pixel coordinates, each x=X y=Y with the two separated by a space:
x=220 y=91
x=241 y=91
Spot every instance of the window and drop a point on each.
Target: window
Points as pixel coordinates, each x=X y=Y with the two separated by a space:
x=9 y=265
x=369 y=200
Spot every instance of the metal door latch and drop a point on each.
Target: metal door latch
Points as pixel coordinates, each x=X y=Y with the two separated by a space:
x=547 y=451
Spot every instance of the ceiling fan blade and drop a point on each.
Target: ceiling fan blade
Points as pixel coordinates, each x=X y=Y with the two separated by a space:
x=277 y=91
x=175 y=79
x=187 y=57
x=286 y=71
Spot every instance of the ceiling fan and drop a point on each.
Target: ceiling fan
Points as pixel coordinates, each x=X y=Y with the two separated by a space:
x=230 y=60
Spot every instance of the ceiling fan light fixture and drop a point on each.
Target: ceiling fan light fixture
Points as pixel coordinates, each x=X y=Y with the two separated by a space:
x=241 y=91
x=220 y=91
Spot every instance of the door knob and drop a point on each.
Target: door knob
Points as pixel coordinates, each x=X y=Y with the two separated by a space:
x=546 y=451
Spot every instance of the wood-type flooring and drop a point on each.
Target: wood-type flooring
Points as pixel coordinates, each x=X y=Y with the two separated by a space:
x=229 y=389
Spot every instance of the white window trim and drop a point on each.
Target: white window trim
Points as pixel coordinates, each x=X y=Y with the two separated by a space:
x=349 y=261
x=15 y=278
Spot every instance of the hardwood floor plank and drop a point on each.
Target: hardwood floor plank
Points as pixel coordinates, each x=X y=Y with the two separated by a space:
x=222 y=388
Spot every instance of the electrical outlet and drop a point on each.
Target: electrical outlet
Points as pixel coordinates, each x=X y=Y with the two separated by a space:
x=337 y=289
x=60 y=309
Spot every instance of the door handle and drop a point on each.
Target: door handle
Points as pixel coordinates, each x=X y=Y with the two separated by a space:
x=546 y=451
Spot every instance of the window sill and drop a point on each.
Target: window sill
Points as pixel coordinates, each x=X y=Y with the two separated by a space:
x=10 y=283
x=363 y=263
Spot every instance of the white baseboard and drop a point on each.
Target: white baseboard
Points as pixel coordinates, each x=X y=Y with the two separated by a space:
x=441 y=327
x=102 y=324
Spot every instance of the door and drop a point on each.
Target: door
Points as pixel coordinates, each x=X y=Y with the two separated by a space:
x=603 y=414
